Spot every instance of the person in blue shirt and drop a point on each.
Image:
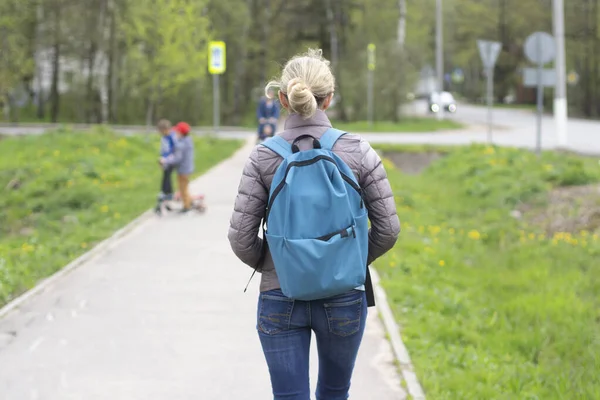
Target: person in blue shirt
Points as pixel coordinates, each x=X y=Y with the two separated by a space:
x=167 y=147
x=267 y=114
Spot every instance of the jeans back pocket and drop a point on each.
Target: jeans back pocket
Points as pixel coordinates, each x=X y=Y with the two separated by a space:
x=274 y=313
x=344 y=315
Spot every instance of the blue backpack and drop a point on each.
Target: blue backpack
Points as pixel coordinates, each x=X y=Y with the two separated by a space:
x=316 y=220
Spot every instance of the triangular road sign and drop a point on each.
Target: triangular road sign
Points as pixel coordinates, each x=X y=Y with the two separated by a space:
x=489 y=52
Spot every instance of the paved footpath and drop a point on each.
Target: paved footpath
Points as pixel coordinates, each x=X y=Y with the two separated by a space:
x=161 y=315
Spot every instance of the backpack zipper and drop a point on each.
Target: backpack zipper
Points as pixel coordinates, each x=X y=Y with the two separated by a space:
x=314 y=160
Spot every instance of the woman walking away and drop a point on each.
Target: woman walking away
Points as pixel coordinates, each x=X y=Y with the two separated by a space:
x=313 y=188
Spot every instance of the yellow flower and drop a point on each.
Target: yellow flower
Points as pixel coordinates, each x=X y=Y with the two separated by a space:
x=532 y=236
x=442 y=263
x=117 y=215
x=104 y=208
x=475 y=235
x=27 y=248
x=69 y=183
x=434 y=230
x=56 y=153
x=548 y=167
x=84 y=245
x=392 y=264
x=451 y=230
x=595 y=237
x=489 y=150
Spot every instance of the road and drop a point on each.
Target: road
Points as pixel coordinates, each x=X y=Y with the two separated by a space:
x=513 y=127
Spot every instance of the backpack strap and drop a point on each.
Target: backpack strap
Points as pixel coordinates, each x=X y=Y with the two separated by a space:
x=279 y=145
x=329 y=138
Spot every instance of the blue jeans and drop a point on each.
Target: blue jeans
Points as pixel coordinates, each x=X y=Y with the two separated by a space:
x=284 y=327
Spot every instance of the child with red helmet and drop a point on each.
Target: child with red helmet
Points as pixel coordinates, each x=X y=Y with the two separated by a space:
x=183 y=159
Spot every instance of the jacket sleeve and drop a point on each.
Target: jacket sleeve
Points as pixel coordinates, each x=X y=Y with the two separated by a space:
x=379 y=199
x=177 y=155
x=249 y=210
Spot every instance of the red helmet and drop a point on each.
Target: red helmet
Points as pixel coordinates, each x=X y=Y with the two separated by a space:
x=183 y=128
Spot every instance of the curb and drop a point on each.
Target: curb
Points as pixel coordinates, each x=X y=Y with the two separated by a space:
x=401 y=353
x=97 y=250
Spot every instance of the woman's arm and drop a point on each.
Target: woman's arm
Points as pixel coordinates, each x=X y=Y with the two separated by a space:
x=379 y=199
x=248 y=212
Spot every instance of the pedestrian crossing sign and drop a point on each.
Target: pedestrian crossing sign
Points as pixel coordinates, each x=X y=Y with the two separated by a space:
x=216 y=57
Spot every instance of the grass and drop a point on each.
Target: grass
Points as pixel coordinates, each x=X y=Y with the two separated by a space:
x=407 y=125
x=63 y=192
x=490 y=307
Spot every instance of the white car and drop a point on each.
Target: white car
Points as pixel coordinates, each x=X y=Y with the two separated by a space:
x=446 y=100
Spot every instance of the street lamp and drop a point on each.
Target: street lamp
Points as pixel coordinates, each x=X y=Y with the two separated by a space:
x=560 y=92
x=439 y=58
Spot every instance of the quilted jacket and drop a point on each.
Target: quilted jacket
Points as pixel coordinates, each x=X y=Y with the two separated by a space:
x=253 y=194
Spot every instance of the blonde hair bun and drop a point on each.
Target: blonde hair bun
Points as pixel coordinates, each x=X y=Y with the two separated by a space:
x=306 y=80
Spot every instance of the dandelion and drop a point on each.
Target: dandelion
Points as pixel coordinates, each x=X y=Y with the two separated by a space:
x=117 y=215
x=489 y=150
x=442 y=263
x=392 y=264
x=434 y=230
x=452 y=231
x=104 y=208
x=27 y=248
x=474 y=234
x=69 y=183
x=84 y=245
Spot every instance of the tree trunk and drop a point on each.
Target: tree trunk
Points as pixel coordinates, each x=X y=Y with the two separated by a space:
x=112 y=50
x=240 y=72
x=265 y=42
x=90 y=97
x=402 y=23
x=54 y=91
x=40 y=113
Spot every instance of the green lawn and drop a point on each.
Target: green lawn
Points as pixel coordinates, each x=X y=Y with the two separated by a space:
x=62 y=192
x=409 y=124
x=490 y=307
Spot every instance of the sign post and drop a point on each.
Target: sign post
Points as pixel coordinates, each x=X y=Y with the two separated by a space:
x=216 y=67
x=370 y=83
x=489 y=52
x=539 y=49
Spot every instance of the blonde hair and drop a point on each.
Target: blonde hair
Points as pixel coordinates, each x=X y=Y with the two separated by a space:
x=306 y=80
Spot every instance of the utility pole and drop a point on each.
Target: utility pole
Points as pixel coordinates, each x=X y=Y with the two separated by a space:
x=560 y=92
x=439 y=58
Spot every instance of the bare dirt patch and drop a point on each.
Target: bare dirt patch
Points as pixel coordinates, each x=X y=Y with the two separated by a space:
x=413 y=163
x=567 y=209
